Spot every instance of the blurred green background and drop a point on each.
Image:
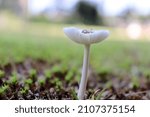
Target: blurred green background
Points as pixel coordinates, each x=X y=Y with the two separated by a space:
x=28 y=32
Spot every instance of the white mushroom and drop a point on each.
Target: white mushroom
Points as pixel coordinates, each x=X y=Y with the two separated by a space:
x=85 y=37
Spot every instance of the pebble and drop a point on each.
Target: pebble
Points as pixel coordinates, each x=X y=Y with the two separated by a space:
x=51 y=90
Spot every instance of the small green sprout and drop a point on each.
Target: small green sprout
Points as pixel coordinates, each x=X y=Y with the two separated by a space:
x=33 y=74
x=48 y=74
x=74 y=95
x=57 y=82
x=69 y=76
x=29 y=81
x=56 y=68
x=63 y=68
x=13 y=79
x=135 y=82
x=24 y=91
x=77 y=78
x=2 y=74
x=42 y=82
x=3 y=89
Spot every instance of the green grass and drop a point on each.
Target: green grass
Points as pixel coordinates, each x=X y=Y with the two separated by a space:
x=118 y=57
x=48 y=42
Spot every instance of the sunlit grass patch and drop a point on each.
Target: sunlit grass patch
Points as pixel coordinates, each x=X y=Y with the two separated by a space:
x=42 y=63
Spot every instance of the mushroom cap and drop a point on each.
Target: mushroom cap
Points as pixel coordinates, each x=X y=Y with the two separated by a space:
x=83 y=36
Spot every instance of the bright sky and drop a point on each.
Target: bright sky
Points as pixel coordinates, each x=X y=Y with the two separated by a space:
x=111 y=7
x=115 y=6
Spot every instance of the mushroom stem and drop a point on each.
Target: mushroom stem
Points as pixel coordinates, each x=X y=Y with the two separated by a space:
x=84 y=78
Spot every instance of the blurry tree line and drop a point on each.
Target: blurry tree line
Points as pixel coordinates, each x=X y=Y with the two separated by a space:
x=18 y=7
x=130 y=13
x=84 y=12
x=9 y=5
x=88 y=14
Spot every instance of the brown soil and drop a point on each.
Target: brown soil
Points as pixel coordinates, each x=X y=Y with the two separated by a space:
x=107 y=86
